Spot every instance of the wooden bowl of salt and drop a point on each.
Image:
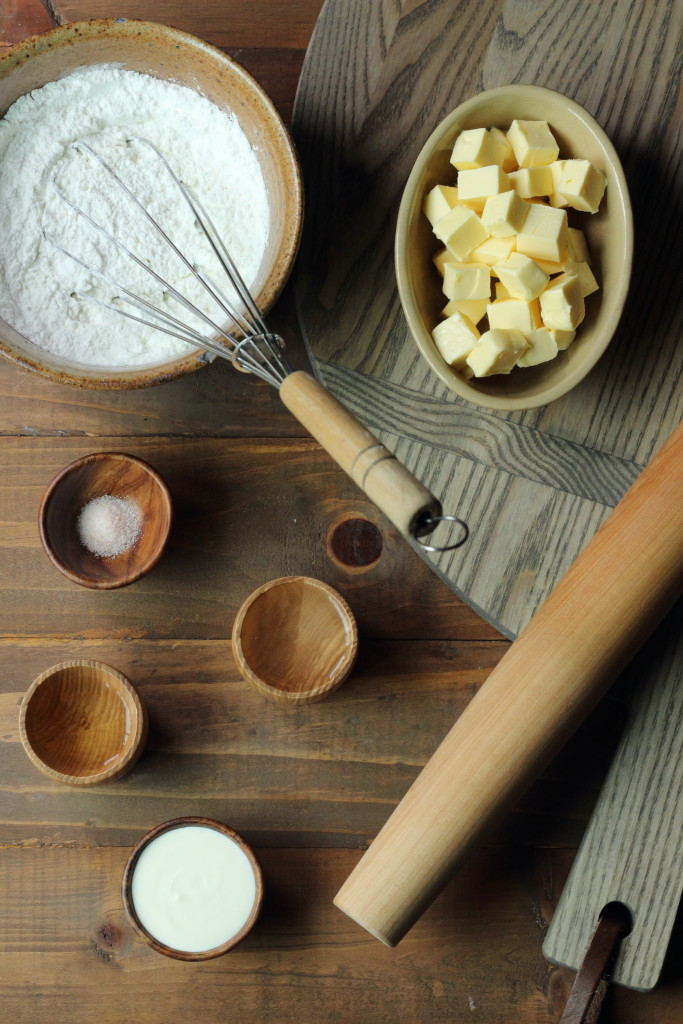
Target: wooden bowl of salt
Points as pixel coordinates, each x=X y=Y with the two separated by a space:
x=295 y=640
x=104 y=520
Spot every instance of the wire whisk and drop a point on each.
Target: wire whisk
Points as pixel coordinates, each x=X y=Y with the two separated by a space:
x=244 y=338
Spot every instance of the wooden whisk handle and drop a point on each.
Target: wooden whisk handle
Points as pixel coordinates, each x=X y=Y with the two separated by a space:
x=576 y=644
x=402 y=498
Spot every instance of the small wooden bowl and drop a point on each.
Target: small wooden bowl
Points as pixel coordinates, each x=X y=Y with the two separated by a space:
x=126 y=889
x=295 y=639
x=82 y=723
x=123 y=476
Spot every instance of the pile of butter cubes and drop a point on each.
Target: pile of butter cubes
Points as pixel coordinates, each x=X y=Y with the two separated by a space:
x=506 y=219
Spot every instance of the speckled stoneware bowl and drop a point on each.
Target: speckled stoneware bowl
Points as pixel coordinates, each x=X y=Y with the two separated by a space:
x=609 y=234
x=164 y=53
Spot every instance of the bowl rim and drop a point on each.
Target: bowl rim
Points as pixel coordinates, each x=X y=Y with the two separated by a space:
x=132 y=378
x=127 y=880
x=134 y=703
x=313 y=693
x=51 y=490
x=408 y=206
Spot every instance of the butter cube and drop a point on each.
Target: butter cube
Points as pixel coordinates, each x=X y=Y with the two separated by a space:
x=467 y=281
x=439 y=201
x=455 y=338
x=473 y=309
x=493 y=250
x=556 y=170
x=477 y=147
x=508 y=163
x=514 y=314
x=563 y=339
x=497 y=351
x=503 y=214
x=551 y=266
x=585 y=275
x=562 y=303
x=582 y=185
x=529 y=182
x=577 y=248
x=544 y=233
x=533 y=143
x=523 y=278
x=501 y=291
x=441 y=258
x=476 y=185
x=542 y=347
x=460 y=231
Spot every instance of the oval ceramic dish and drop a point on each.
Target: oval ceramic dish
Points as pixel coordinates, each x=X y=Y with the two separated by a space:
x=164 y=53
x=609 y=234
x=82 y=723
x=160 y=947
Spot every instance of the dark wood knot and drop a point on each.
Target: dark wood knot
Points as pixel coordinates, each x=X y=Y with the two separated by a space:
x=355 y=542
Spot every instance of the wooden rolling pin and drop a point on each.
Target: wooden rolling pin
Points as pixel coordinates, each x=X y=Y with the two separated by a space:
x=573 y=648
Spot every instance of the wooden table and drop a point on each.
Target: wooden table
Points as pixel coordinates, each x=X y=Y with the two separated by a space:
x=309 y=788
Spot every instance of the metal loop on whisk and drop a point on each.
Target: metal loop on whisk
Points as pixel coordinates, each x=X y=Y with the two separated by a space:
x=429 y=524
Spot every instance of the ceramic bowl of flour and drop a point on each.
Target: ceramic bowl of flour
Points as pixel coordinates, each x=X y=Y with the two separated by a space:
x=218 y=130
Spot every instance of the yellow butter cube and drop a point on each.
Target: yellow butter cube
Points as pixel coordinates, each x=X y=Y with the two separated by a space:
x=523 y=278
x=514 y=314
x=529 y=182
x=582 y=185
x=497 y=351
x=493 y=250
x=561 y=303
x=455 y=339
x=542 y=347
x=441 y=258
x=473 y=309
x=585 y=275
x=544 y=233
x=554 y=197
x=460 y=231
x=467 y=281
x=501 y=291
x=476 y=185
x=439 y=201
x=508 y=163
x=533 y=143
x=477 y=147
x=503 y=214
x=551 y=266
x=563 y=339
x=577 y=247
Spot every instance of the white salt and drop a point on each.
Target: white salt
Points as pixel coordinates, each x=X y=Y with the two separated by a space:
x=108 y=526
x=104 y=106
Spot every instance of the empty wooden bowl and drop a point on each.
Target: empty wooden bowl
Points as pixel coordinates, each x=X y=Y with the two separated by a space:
x=105 y=473
x=295 y=639
x=192 y=888
x=82 y=723
x=609 y=234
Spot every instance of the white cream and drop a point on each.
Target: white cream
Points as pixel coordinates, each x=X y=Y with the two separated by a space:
x=193 y=888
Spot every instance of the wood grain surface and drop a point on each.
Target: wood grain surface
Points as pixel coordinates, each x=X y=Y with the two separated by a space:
x=255 y=498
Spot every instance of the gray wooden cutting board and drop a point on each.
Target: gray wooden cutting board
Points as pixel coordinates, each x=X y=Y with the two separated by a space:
x=533 y=486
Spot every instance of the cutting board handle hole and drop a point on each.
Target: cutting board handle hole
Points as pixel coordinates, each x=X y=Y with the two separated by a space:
x=618 y=911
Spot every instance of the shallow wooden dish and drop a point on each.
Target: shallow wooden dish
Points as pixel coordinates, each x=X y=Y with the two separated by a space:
x=82 y=723
x=164 y=53
x=609 y=234
x=123 y=476
x=295 y=639
x=129 y=907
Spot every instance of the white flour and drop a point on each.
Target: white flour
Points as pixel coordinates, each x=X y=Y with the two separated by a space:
x=104 y=106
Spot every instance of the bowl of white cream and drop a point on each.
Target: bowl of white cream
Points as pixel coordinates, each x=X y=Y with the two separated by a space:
x=192 y=888
x=97 y=87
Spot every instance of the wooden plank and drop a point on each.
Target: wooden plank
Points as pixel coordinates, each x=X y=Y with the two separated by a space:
x=224 y=23
x=246 y=510
x=22 y=18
